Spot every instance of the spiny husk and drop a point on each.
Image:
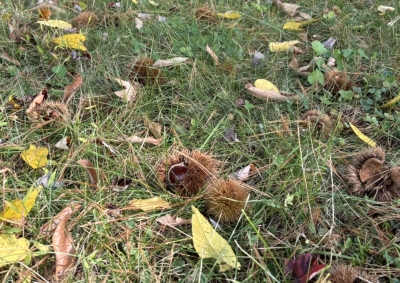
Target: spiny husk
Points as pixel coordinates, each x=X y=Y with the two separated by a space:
x=225 y=200
x=382 y=182
x=336 y=81
x=51 y=111
x=85 y=19
x=320 y=122
x=341 y=273
x=202 y=168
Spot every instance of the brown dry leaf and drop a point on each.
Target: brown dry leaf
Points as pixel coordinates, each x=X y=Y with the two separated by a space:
x=37 y=101
x=128 y=94
x=70 y=89
x=85 y=19
x=267 y=95
x=63 y=246
x=90 y=169
x=288 y=8
x=142 y=70
x=8 y=58
x=155 y=128
x=213 y=55
x=170 y=221
x=44 y=14
x=204 y=14
x=136 y=139
x=51 y=225
x=371 y=168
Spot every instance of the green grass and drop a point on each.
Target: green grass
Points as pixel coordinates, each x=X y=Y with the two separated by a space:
x=324 y=218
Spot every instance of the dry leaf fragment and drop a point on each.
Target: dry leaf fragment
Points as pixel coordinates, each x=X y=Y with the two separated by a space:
x=155 y=203
x=51 y=225
x=90 y=169
x=155 y=128
x=12 y=249
x=170 y=221
x=136 y=139
x=243 y=173
x=170 y=62
x=230 y=135
x=270 y=96
x=35 y=157
x=363 y=137
x=63 y=246
x=391 y=102
x=298 y=26
x=129 y=94
x=209 y=244
x=205 y=15
x=142 y=70
x=18 y=209
x=55 y=24
x=304 y=268
x=64 y=143
x=288 y=8
x=229 y=15
x=70 y=89
x=213 y=55
x=44 y=14
x=138 y=23
x=36 y=102
x=4 y=55
x=383 y=9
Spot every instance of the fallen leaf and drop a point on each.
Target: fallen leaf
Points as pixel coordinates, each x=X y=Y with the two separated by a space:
x=155 y=128
x=113 y=152
x=120 y=185
x=213 y=55
x=35 y=157
x=230 y=135
x=70 y=89
x=298 y=26
x=265 y=85
x=12 y=249
x=153 y=3
x=270 y=96
x=51 y=225
x=14 y=103
x=209 y=244
x=47 y=181
x=391 y=102
x=90 y=169
x=4 y=55
x=55 y=24
x=36 y=102
x=155 y=203
x=304 y=268
x=73 y=41
x=243 y=174
x=134 y=2
x=82 y=5
x=170 y=62
x=288 y=8
x=136 y=139
x=161 y=19
x=363 y=137
x=63 y=246
x=85 y=19
x=170 y=221
x=64 y=143
x=281 y=46
x=205 y=15
x=138 y=23
x=44 y=14
x=143 y=15
x=383 y=9
x=18 y=209
x=129 y=94
x=329 y=43
x=229 y=15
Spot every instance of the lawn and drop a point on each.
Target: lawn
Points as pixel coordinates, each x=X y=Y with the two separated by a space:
x=301 y=178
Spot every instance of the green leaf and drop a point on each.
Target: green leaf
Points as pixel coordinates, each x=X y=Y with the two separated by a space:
x=316 y=77
x=318 y=47
x=346 y=94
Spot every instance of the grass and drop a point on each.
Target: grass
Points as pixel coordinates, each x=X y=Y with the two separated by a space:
x=323 y=219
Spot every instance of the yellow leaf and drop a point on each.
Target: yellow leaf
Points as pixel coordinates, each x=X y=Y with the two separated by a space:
x=82 y=5
x=153 y=3
x=35 y=157
x=265 y=85
x=363 y=137
x=55 y=24
x=134 y=2
x=73 y=41
x=148 y=204
x=209 y=244
x=12 y=249
x=298 y=26
x=281 y=46
x=18 y=208
x=391 y=102
x=229 y=15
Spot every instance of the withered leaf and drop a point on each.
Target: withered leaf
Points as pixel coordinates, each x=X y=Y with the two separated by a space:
x=170 y=221
x=90 y=169
x=70 y=89
x=372 y=167
x=303 y=268
x=51 y=225
x=37 y=101
x=128 y=94
x=230 y=135
x=136 y=139
x=270 y=96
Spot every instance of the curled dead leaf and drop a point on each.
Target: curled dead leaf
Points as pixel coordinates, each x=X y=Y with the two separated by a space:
x=136 y=139
x=130 y=91
x=168 y=220
x=37 y=101
x=268 y=95
x=51 y=225
x=90 y=169
x=70 y=89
